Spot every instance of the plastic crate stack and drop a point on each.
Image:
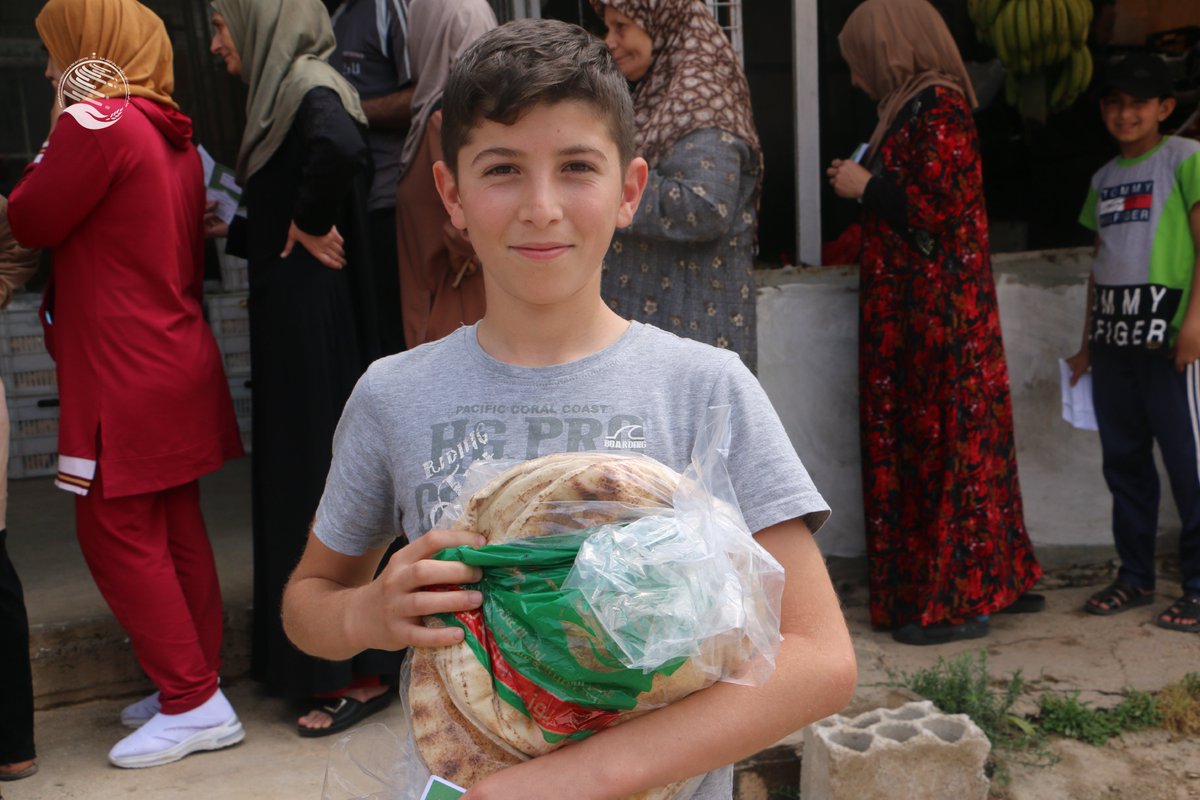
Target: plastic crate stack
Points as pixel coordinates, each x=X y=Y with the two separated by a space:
x=32 y=388
x=230 y=321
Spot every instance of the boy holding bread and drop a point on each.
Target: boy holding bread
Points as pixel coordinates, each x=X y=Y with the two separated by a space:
x=539 y=172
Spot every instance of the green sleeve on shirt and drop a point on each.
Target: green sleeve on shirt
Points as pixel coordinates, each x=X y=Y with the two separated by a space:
x=1087 y=217
x=1188 y=178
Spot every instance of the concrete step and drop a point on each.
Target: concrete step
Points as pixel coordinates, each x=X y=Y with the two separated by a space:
x=91 y=659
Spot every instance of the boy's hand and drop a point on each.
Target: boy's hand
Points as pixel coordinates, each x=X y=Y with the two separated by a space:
x=327 y=249
x=387 y=613
x=1187 y=345
x=1079 y=364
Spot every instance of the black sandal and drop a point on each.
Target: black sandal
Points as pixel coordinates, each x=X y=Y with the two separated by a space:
x=346 y=711
x=1186 y=607
x=1118 y=596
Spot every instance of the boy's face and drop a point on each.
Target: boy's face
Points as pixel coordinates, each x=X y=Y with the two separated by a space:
x=540 y=199
x=1134 y=122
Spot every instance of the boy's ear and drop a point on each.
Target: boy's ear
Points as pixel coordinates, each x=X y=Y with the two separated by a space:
x=631 y=190
x=447 y=186
x=1166 y=107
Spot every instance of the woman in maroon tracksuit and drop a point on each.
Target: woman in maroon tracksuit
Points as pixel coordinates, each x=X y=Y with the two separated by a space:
x=145 y=406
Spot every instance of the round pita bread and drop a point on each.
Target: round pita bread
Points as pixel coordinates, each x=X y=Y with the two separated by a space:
x=479 y=733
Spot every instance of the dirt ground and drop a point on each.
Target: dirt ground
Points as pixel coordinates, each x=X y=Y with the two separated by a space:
x=1063 y=649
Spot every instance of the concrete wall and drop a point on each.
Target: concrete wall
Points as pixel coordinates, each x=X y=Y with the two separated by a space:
x=808 y=340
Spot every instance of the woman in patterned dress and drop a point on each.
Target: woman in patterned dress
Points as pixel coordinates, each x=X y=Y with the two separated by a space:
x=686 y=263
x=946 y=536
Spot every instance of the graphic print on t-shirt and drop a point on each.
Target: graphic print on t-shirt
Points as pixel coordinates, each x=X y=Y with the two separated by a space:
x=1127 y=202
x=1134 y=316
x=484 y=432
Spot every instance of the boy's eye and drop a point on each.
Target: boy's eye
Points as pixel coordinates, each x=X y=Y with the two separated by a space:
x=579 y=166
x=499 y=169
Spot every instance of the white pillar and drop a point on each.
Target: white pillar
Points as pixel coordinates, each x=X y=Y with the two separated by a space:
x=807 y=131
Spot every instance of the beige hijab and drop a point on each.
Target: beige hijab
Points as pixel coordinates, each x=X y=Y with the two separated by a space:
x=438 y=33
x=123 y=31
x=695 y=80
x=284 y=52
x=899 y=48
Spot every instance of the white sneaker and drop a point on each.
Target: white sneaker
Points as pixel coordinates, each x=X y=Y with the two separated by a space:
x=166 y=738
x=135 y=715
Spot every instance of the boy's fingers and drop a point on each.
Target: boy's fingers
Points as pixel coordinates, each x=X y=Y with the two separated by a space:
x=427 y=603
x=428 y=572
x=441 y=539
x=435 y=637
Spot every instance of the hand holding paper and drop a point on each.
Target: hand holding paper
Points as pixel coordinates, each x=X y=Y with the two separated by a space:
x=1077 y=400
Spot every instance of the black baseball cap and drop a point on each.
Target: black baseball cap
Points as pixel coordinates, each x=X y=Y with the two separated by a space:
x=1140 y=75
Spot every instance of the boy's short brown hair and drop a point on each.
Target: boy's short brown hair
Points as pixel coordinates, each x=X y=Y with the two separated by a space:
x=523 y=63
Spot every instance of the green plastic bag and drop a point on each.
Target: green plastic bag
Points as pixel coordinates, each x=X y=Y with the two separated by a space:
x=548 y=655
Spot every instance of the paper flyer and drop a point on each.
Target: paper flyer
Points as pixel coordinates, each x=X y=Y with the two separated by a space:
x=220 y=186
x=438 y=789
x=1077 y=400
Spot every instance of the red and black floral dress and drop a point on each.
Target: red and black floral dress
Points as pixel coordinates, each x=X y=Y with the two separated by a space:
x=945 y=531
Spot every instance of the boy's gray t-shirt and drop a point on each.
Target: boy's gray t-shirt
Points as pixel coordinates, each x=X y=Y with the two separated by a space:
x=417 y=420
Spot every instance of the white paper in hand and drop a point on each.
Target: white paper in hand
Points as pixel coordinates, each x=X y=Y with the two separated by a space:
x=220 y=186
x=1077 y=406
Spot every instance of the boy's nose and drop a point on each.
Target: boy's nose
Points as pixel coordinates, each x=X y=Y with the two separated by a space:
x=541 y=204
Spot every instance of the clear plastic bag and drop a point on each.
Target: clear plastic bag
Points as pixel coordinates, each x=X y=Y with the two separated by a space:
x=374 y=763
x=689 y=582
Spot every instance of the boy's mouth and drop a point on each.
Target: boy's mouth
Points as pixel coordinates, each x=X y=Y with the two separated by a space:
x=542 y=251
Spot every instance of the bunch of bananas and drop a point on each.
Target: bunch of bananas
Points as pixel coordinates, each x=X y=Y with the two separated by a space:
x=1043 y=44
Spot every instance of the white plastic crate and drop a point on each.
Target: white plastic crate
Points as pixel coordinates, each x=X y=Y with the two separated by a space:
x=235 y=272
x=228 y=314
x=21 y=332
x=32 y=416
x=33 y=457
x=235 y=352
x=230 y=321
x=29 y=374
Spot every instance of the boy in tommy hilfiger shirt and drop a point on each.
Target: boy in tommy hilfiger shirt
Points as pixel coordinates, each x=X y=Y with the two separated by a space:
x=1142 y=335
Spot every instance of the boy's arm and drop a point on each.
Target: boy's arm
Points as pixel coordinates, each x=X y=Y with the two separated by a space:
x=333 y=609
x=1082 y=360
x=814 y=677
x=1187 y=345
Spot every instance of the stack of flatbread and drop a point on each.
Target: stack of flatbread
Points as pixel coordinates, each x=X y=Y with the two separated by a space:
x=463 y=730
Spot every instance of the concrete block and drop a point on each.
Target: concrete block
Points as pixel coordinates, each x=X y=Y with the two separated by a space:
x=911 y=751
